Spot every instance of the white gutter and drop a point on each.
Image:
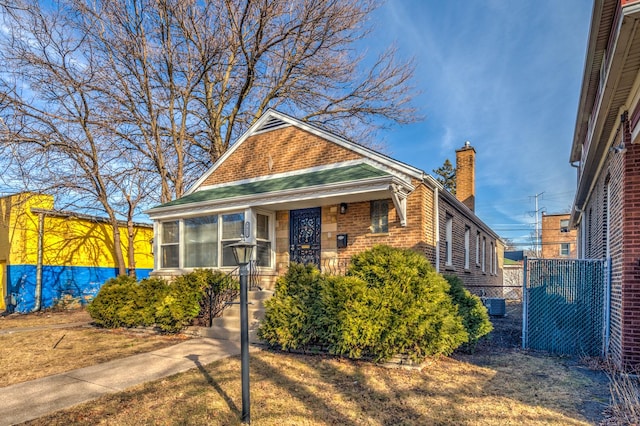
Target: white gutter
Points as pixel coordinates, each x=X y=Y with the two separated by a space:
x=436 y=225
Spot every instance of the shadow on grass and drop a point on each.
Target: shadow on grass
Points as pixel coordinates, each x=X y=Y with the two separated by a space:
x=215 y=385
x=347 y=398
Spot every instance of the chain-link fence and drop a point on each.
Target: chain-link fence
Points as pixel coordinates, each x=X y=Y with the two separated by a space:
x=507 y=292
x=564 y=306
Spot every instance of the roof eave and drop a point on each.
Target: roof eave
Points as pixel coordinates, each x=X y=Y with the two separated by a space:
x=317 y=191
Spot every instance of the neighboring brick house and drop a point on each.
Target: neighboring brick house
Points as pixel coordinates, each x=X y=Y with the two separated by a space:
x=558 y=238
x=606 y=155
x=303 y=194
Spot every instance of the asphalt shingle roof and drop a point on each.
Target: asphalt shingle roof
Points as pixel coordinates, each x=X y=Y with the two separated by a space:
x=321 y=177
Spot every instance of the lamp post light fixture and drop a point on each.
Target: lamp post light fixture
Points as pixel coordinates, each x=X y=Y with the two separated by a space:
x=242 y=253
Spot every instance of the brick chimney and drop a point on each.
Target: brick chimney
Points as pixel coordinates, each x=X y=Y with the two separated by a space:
x=466 y=175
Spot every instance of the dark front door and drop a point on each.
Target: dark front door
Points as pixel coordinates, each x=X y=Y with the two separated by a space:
x=304 y=236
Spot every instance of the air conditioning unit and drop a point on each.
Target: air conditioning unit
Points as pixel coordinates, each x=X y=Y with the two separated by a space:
x=497 y=307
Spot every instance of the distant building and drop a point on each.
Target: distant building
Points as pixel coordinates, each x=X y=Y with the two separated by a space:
x=68 y=256
x=559 y=240
x=513 y=276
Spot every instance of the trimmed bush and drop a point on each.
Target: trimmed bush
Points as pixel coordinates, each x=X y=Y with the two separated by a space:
x=123 y=302
x=292 y=316
x=392 y=302
x=474 y=314
x=415 y=314
x=182 y=303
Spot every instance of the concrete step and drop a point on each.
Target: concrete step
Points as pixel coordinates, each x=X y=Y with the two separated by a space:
x=233 y=321
x=223 y=333
x=227 y=327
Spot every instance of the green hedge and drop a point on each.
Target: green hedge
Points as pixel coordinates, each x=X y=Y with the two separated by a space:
x=124 y=302
x=474 y=314
x=392 y=302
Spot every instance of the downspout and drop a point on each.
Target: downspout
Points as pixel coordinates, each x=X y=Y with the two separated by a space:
x=38 y=294
x=436 y=225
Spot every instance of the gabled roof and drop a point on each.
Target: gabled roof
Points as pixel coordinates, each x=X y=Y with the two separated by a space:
x=273 y=119
x=304 y=180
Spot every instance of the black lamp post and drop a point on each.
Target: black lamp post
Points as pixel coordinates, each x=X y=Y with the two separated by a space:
x=242 y=253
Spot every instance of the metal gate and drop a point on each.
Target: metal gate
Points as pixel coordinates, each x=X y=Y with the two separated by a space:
x=566 y=306
x=305 y=235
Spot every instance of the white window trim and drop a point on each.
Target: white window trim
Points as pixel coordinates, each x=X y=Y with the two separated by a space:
x=467 y=235
x=449 y=241
x=491 y=253
x=248 y=213
x=484 y=254
x=162 y=244
x=272 y=237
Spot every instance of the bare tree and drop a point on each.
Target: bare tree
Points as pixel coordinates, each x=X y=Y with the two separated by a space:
x=188 y=77
x=53 y=134
x=116 y=104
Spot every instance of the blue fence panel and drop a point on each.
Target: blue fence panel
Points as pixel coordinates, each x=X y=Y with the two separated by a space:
x=565 y=306
x=59 y=283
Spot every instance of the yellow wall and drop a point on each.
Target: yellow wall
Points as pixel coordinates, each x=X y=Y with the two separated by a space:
x=68 y=241
x=80 y=242
x=19 y=227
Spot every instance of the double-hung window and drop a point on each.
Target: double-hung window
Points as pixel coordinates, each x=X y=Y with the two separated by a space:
x=170 y=244
x=201 y=242
x=263 y=240
x=449 y=241
x=232 y=232
x=379 y=216
x=467 y=233
x=484 y=254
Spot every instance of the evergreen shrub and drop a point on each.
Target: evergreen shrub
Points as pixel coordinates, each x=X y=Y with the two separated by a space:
x=182 y=302
x=124 y=302
x=392 y=302
x=474 y=314
x=292 y=315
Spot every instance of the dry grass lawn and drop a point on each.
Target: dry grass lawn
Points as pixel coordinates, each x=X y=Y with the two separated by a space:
x=29 y=355
x=496 y=386
x=288 y=389
x=44 y=318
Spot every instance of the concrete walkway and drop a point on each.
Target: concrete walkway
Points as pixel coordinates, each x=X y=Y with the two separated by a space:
x=30 y=400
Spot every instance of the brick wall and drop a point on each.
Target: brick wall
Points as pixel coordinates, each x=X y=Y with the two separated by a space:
x=611 y=184
x=629 y=251
x=553 y=237
x=419 y=235
x=278 y=151
x=474 y=278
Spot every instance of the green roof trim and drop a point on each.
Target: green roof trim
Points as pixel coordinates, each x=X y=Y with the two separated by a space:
x=321 y=177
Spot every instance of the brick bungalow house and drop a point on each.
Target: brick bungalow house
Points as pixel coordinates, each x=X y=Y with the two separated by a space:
x=606 y=155
x=302 y=194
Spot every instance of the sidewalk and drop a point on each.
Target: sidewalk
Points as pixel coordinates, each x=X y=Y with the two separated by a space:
x=33 y=399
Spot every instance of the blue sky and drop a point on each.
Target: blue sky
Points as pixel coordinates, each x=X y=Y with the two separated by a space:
x=504 y=75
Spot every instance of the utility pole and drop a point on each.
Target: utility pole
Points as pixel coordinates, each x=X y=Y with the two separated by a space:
x=536 y=213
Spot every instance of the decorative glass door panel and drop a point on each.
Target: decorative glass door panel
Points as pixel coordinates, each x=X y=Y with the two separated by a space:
x=304 y=236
